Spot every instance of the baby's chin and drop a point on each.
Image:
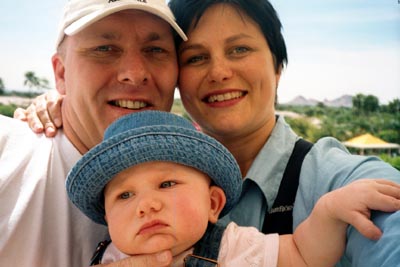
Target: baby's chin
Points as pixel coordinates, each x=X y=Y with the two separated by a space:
x=155 y=244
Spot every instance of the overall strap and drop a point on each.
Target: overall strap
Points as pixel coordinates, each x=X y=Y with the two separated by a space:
x=206 y=250
x=280 y=218
x=98 y=254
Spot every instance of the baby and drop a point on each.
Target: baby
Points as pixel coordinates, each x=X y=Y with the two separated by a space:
x=159 y=184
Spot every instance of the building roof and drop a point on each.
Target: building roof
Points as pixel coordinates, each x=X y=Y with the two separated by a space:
x=369 y=141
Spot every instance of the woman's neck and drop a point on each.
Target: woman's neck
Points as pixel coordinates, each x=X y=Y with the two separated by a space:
x=246 y=147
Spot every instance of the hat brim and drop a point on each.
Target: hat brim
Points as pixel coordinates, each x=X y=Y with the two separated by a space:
x=87 y=179
x=81 y=23
x=92 y=17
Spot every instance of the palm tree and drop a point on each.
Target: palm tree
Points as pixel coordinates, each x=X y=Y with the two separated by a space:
x=31 y=80
x=2 y=87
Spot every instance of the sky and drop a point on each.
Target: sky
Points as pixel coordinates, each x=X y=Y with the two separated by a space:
x=335 y=47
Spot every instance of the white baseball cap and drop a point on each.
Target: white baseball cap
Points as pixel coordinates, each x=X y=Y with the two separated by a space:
x=78 y=14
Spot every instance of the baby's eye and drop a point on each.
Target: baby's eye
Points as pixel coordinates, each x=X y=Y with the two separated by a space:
x=126 y=195
x=167 y=184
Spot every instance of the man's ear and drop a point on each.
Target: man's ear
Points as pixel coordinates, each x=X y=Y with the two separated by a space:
x=59 y=72
x=218 y=200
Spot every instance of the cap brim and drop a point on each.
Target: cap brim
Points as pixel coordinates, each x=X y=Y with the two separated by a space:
x=85 y=21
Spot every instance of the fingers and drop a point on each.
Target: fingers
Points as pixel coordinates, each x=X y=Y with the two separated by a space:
x=366 y=227
x=386 y=182
x=160 y=259
x=40 y=115
x=54 y=101
x=384 y=195
x=19 y=114
x=44 y=114
x=33 y=121
x=353 y=203
x=389 y=188
x=384 y=202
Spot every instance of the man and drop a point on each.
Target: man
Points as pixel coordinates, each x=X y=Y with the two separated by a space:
x=113 y=58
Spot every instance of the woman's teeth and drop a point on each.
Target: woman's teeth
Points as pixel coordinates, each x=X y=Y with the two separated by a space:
x=224 y=97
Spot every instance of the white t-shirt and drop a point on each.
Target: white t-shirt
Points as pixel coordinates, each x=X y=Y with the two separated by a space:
x=39 y=227
x=240 y=246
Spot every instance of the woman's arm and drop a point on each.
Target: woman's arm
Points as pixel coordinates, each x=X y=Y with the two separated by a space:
x=44 y=113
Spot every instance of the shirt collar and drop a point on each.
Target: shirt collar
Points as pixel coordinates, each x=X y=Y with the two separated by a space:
x=268 y=167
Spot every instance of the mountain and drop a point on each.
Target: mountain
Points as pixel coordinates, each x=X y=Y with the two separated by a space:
x=343 y=101
x=302 y=101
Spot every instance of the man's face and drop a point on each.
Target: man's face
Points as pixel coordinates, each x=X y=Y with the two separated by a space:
x=123 y=63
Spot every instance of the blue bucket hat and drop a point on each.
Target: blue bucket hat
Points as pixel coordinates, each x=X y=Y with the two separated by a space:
x=150 y=136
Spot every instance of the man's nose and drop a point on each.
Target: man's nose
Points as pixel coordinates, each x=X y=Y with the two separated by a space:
x=133 y=69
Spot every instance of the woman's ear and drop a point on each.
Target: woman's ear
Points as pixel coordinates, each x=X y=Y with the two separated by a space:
x=278 y=74
x=59 y=71
x=218 y=200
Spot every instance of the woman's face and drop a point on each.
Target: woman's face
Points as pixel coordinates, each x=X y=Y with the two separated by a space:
x=227 y=77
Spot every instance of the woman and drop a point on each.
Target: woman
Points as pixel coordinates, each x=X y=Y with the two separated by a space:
x=229 y=74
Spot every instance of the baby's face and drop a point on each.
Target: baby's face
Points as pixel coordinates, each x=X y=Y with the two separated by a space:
x=160 y=205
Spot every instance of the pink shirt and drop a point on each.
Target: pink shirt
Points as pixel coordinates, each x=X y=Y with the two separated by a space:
x=240 y=246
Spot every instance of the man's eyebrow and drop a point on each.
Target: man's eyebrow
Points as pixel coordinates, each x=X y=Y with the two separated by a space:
x=153 y=36
x=108 y=36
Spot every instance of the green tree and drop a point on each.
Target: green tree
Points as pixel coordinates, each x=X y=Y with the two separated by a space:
x=363 y=104
x=2 y=87
x=358 y=102
x=394 y=106
x=302 y=127
x=371 y=104
x=32 y=81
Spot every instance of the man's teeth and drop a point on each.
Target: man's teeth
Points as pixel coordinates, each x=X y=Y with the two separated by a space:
x=130 y=104
x=224 y=97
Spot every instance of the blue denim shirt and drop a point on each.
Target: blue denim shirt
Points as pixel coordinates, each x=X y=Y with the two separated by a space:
x=326 y=167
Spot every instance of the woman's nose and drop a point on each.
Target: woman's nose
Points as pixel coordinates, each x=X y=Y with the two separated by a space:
x=219 y=70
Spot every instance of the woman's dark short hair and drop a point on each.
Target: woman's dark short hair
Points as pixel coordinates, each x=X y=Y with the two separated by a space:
x=261 y=11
